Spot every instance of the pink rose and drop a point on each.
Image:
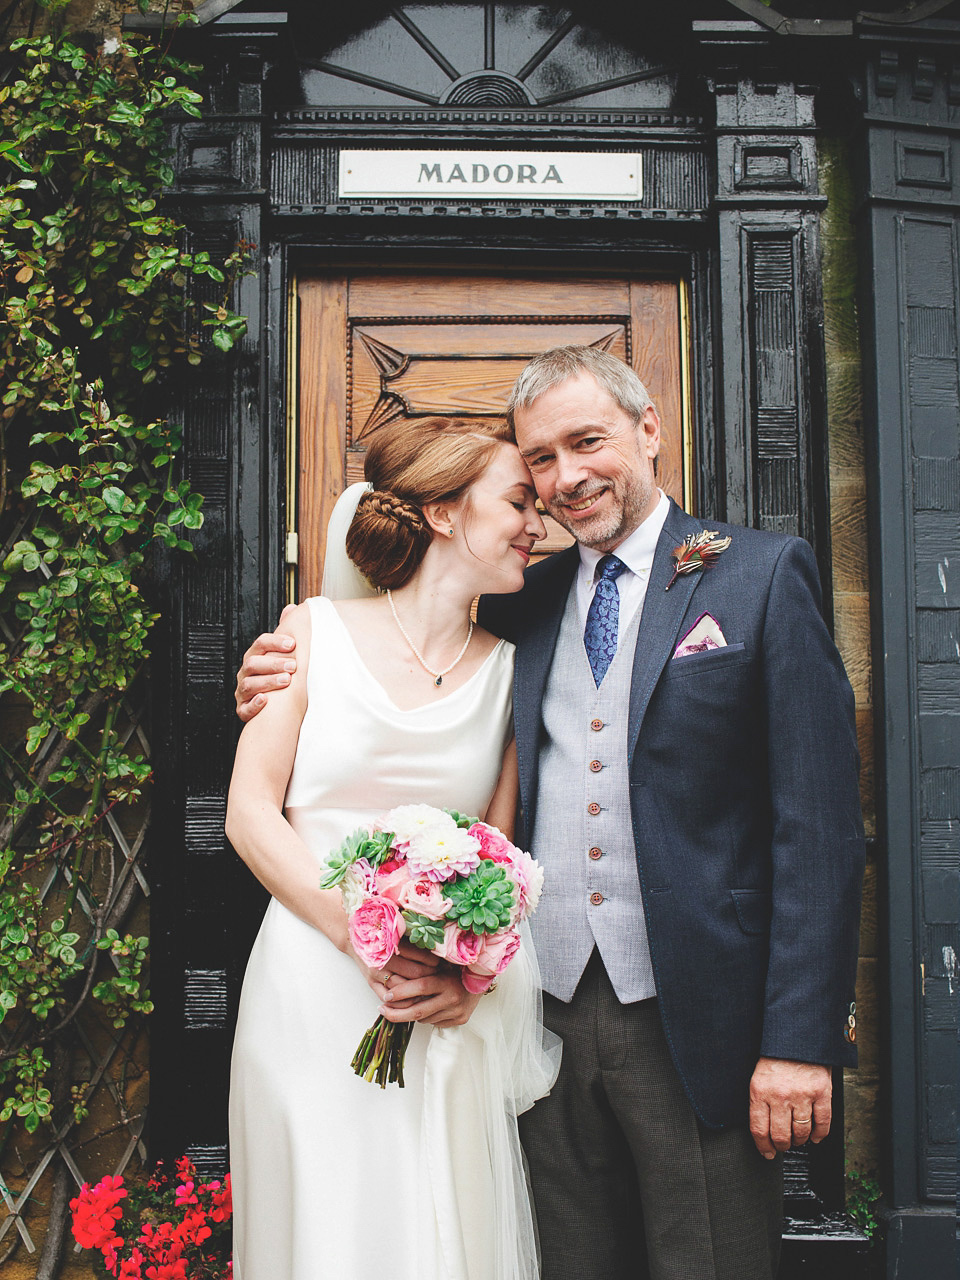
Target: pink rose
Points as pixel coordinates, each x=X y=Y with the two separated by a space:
x=375 y=929
x=391 y=880
x=497 y=951
x=494 y=845
x=425 y=897
x=459 y=946
x=476 y=983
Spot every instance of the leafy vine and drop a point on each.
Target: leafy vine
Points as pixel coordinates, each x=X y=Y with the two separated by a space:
x=97 y=279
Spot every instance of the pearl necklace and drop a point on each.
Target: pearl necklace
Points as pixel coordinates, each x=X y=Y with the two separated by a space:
x=437 y=675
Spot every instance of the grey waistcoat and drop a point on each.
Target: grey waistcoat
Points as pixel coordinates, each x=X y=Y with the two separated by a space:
x=571 y=920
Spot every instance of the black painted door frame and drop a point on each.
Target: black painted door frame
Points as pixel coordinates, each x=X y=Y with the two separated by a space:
x=751 y=254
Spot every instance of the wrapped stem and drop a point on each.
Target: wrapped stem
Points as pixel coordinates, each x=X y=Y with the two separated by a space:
x=380 y=1053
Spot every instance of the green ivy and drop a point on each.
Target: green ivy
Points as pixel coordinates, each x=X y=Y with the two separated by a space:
x=863 y=1197
x=96 y=282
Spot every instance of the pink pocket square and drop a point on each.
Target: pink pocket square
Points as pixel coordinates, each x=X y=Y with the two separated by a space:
x=703 y=635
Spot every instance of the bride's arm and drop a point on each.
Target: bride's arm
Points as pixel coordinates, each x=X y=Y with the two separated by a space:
x=284 y=865
x=255 y=824
x=502 y=809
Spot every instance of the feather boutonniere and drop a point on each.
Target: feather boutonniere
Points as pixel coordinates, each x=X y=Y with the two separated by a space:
x=698 y=551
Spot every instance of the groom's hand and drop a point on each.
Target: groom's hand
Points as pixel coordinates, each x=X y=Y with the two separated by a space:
x=789 y=1104
x=268 y=664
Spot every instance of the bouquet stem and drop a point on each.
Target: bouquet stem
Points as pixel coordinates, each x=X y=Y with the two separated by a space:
x=380 y=1054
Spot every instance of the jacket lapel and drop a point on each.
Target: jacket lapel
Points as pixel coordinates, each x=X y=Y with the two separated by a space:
x=663 y=613
x=544 y=607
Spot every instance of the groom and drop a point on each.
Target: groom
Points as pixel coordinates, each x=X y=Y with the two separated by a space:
x=688 y=777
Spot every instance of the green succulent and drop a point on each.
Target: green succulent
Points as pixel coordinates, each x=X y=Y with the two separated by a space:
x=423 y=932
x=482 y=901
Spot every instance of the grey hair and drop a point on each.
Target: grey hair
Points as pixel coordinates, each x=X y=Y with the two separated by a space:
x=551 y=368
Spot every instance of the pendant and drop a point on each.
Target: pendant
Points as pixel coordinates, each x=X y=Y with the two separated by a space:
x=439 y=681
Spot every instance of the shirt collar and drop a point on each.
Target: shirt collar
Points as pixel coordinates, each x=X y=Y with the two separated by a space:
x=637 y=550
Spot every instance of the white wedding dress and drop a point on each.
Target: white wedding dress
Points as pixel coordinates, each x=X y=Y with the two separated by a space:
x=334 y=1178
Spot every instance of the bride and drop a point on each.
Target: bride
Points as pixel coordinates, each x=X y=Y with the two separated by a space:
x=402 y=700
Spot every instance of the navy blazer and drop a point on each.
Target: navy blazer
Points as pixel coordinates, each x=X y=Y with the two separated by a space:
x=744 y=796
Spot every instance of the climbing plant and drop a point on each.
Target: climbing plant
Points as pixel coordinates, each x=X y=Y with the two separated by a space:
x=97 y=281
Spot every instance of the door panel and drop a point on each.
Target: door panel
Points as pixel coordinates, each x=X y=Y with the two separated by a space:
x=375 y=347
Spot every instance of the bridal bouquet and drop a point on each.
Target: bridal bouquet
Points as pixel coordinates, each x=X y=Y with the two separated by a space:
x=447 y=883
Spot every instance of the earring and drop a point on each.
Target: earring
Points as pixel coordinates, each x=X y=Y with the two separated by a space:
x=449 y=533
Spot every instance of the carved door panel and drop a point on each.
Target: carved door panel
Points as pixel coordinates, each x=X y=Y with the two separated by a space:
x=377 y=347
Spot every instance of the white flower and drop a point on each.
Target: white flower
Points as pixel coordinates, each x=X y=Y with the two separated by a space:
x=356 y=885
x=442 y=852
x=408 y=821
x=534 y=884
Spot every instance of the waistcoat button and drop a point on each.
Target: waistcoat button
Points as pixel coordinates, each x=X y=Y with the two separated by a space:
x=596 y=725
x=596 y=853
x=595 y=766
x=596 y=898
x=593 y=808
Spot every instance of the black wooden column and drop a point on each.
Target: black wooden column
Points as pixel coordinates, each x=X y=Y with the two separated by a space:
x=771 y=364
x=910 y=224
x=215 y=599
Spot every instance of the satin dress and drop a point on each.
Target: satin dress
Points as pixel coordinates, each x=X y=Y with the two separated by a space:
x=332 y=1176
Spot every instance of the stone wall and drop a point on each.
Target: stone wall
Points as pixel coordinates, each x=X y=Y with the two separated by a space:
x=851 y=601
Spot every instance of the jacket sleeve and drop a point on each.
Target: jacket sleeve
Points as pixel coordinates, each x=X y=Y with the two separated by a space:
x=817 y=847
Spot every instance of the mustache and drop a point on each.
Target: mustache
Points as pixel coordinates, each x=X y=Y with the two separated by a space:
x=578 y=494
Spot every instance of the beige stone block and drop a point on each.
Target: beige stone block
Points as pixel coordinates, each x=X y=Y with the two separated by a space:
x=845 y=414
x=861 y=1123
x=848 y=539
x=868 y=1016
x=868 y=914
x=851 y=613
x=867 y=771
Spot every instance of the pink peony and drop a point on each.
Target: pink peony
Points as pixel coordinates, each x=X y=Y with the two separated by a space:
x=493 y=843
x=391 y=880
x=459 y=946
x=375 y=929
x=527 y=874
x=497 y=951
x=476 y=983
x=425 y=897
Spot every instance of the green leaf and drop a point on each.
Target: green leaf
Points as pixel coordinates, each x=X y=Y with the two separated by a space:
x=114 y=498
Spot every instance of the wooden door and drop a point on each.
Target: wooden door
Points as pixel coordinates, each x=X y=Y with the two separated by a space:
x=378 y=346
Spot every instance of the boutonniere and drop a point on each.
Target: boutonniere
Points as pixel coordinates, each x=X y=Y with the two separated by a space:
x=698 y=551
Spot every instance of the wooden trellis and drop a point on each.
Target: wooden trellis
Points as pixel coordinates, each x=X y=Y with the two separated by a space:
x=122 y=881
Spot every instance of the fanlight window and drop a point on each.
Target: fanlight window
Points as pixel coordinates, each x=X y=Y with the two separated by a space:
x=483 y=56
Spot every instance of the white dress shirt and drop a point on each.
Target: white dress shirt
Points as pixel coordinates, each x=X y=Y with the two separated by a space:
x=636 y=551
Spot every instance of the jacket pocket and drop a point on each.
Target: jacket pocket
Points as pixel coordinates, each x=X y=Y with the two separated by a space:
x=709 y=660
x=754 y=908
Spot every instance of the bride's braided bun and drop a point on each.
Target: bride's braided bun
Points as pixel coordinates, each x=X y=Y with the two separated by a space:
x=410 y=464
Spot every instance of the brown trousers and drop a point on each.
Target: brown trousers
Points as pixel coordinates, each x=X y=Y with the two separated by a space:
x=628 y=1184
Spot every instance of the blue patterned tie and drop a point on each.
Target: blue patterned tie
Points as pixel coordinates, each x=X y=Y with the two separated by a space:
x=603 y=617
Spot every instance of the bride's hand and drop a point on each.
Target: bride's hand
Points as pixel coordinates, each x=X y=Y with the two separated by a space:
x=410 y=962
x=439 y=998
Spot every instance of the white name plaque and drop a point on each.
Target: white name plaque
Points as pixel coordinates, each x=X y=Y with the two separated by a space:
x=492 y=175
